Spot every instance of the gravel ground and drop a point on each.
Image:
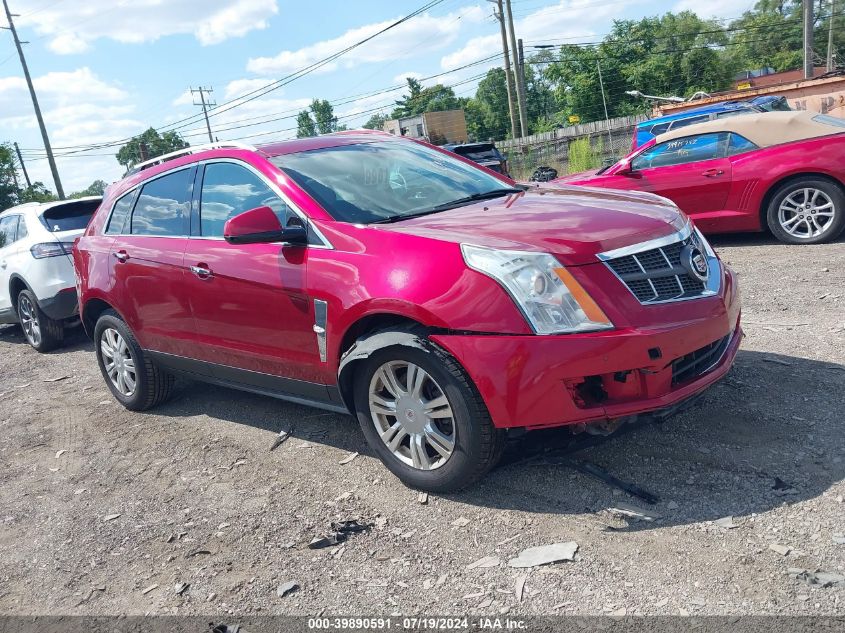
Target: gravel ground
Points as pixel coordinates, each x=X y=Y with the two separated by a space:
x=105 y=511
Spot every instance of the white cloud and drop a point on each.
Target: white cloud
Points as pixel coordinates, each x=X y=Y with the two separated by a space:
x=79 y=109
x=415 y=37
x=713 y=9
x=73 y=26
x=240 y=87
x=401 y=77
x=184 y=99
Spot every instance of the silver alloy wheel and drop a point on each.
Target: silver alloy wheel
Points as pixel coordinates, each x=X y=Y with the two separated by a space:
x=29 y=321
x=806 y=213
x=118 y=361
x=412 y=415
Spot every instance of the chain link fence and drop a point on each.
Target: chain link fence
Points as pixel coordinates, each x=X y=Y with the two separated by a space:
x=572 y=149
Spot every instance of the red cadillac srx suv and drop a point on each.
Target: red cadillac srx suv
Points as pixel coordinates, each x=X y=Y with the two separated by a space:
x=438 y=301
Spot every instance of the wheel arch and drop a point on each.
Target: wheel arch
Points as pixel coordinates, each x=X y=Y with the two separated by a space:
x=368 y=334
x=91 y=311
x=804 y=175
x=16 y=285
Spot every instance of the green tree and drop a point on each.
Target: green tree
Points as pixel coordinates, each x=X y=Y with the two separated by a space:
x=432 y=99
x=324 y=117
x=38 y=192
x=156 y=144
x=96 y=188
x=305 y=125
x=8 y=186
x=376 y=122
x=487 y=113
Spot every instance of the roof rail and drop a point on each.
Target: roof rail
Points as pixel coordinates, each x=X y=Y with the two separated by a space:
x=185 y=151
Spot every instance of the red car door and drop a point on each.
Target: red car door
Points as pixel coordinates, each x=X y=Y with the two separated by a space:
x=694 y=172
x=249 y=301
x=146 y=262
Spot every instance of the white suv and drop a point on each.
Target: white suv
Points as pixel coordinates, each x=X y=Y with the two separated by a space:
x=37 y=284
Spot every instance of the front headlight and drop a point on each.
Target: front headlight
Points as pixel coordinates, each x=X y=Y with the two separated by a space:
x=552 y=301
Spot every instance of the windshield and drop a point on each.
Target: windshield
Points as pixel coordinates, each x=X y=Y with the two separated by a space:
x=373 y=182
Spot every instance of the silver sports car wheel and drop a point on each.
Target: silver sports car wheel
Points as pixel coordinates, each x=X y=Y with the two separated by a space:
x=806 y=213
x=412 y=415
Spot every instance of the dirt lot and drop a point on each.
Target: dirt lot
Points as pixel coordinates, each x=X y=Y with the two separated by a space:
x=98 y=504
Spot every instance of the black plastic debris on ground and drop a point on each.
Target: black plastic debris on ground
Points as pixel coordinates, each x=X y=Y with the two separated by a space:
x=339 y=532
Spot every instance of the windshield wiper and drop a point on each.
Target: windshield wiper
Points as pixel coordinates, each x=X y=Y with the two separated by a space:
x=475 y=197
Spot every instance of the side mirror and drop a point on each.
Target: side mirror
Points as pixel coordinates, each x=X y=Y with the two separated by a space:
x=624 y=169
x=261 y=226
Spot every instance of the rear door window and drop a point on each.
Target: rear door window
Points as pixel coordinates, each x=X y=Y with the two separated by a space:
x=228 y=190
x=164 y=206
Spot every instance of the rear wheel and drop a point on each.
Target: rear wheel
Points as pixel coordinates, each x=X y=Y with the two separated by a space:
x=133 y=378
x=40 y=331
x=807 y=211
x=425 y=419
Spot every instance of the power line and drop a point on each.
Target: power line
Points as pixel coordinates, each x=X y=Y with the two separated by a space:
x=287 y=79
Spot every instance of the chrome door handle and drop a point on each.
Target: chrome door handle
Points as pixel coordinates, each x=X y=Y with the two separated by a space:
x=121 y=256
x=201 y=272
x=2 y=264
x=709 y=173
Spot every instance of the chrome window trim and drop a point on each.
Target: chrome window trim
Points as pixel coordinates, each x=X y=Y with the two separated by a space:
x=714 y=280
x=326 y=244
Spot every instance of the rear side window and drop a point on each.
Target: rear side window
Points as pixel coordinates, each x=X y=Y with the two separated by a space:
x=739 y=145
x=163 y=206
x=8 y=229
x=73 y=216
x=829 y=120
x=120 y=214
x=228 y=190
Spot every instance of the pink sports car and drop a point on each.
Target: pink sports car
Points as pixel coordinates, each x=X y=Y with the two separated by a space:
x=784 y=171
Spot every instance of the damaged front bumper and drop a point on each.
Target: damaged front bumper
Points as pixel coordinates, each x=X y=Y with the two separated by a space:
x=545 y=381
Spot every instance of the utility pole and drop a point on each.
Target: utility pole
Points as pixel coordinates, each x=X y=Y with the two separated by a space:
x=604 y=102
x=202 y=92
x=808 y=39
x=23 y=166
x=520 y=86
x=50 y=159
x=830 y=64
x=508 y=77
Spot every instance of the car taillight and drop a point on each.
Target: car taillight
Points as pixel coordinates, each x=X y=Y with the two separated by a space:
x=51 y=249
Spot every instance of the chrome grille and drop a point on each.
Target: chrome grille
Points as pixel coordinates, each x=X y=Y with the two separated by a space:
x=656 y=275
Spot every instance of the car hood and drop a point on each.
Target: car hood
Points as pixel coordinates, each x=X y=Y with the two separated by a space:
x=572 y=223
x=583 y=176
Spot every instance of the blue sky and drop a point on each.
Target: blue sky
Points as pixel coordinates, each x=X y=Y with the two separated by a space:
x=108 y=69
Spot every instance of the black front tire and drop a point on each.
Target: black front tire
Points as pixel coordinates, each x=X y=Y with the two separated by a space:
x=153 y=385
x=41 y=332
x=833 y=192
x=478 y=444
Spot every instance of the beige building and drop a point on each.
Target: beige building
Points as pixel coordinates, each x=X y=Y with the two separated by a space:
x=447 y=126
